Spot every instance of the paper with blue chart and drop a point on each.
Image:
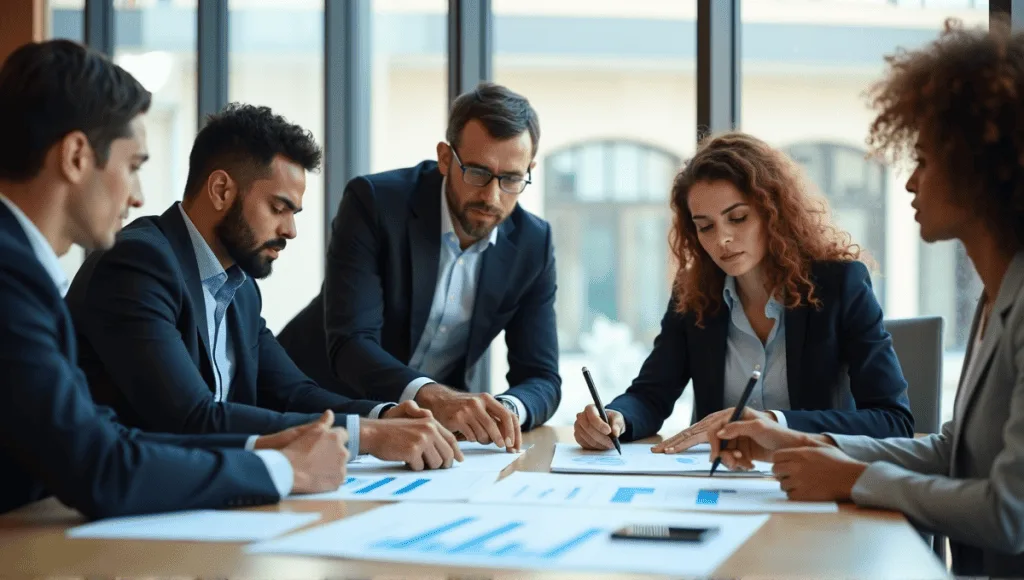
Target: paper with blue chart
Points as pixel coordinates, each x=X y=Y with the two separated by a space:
x=436 y=485
x=478 y=457
x=523 y=537
x=197 y=526
x=634 y=491
x=637 y=458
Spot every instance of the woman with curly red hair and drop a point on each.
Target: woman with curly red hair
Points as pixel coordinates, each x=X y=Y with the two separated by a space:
x=958 y=104
x=765 y=279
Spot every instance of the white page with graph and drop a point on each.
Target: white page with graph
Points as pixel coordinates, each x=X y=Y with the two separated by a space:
x=437 y=485
x=637 y=458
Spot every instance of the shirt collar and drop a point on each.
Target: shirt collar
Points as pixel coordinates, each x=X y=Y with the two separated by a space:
x=211 y=272
x=40 y=247
x=731 y=297
x=448 y=228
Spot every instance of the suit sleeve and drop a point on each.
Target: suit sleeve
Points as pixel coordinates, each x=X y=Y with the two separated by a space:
x=532 y=338
x=129 y=314
x=651 y=398
x=354 y=300
x=985 y=511
x=281 y=385
x=51 y=428
x=876 y=381
x=926 y=455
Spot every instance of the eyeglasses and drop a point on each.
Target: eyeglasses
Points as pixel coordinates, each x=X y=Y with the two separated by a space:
x=478 y=177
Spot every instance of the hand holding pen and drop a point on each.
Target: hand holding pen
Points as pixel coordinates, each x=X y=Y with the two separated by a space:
x=594 y=426
x=736 y=414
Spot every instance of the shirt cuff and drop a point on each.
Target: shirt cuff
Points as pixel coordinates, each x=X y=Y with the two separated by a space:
x=250 y=443
x=279 y=468
x=520 y=407
x=352 y=426
x=414 y=387
x=377 y=411
x=780 y=417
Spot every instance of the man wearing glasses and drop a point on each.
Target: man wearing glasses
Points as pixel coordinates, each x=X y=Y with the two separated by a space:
x=427 y=264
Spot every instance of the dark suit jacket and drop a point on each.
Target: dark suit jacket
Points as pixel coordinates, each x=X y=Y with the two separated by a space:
x=55 y=441
x=380 y=277
x=141 y=319
x=843 y=376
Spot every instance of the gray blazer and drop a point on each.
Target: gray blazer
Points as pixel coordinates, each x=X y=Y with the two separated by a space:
x=968 y=481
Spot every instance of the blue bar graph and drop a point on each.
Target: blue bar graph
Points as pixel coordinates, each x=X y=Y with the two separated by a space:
x=348 y=481
x=379 y=483
x=411 y=486
x=573 y=493
x=431 y=542
x=626 y=494
x=521 y=491
x=546 y=492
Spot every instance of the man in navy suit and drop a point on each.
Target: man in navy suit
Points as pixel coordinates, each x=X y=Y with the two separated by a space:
x=426 y=265
x=73 y=142
x=169 y=319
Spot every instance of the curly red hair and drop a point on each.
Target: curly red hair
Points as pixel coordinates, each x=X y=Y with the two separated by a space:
x=798 y=223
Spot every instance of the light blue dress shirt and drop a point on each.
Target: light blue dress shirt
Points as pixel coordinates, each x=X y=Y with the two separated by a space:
x=277 y=464
x=744 y=350
x=446 y=335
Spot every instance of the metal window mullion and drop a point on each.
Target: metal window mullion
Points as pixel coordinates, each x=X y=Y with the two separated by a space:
x=1014 y=9
x=718 y=66
x=211 y=58
x=98 y=26
x=470 y=41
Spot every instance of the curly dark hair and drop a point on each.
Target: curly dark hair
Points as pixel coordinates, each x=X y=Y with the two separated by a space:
x=798 y=223
x=243 y=140
x=966 y=91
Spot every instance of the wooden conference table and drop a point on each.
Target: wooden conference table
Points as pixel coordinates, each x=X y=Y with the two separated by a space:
x=853 y=543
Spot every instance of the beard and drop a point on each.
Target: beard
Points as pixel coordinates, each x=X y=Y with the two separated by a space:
x=239 y=239
x=471 y=226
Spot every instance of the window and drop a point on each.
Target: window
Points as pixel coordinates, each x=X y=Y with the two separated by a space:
x=806 y=66
x=614 y=84
x=276 y=59
x=409 y=90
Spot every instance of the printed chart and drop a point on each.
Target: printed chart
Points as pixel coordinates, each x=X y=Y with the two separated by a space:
x=637 y=458
x=422 y=486
x=689 y=493
x=477 y=458
x=524 y=537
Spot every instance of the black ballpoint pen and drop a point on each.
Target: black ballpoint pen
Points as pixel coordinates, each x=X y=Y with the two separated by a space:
x=737 y=413
x=600 y=407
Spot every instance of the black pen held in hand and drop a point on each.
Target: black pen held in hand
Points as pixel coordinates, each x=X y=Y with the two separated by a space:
x=737 y=413
x=600 y=407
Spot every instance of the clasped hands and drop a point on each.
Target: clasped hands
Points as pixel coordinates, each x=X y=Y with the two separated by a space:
x=808 y=467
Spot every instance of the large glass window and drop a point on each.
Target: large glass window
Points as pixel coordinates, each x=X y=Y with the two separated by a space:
x=806 y=67
x=276 y=59
x=614 y=86
x=409 y=98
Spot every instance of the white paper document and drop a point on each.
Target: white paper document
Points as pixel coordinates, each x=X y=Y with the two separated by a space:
x=441 y=485
x=479 y=457
x=637 y=458
x=197 y=526
x=521 y=537
x=634 y=491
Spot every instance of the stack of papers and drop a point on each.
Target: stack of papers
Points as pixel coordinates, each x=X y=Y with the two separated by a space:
x=479 y=457
x=197 y=526
x=441 y=485
x=637 y=458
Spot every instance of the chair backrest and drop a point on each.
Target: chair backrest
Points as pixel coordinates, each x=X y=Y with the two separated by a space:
x=918 y=346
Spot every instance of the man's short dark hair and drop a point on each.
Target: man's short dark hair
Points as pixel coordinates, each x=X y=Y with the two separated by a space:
x=504 y=113
x=50 y=89
x=243 y=140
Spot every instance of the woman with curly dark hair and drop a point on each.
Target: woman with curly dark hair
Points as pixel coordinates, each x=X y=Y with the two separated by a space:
x=958 y=104
x=765 y=279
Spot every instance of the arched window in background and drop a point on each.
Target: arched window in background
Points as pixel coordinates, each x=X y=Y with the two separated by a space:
x=608 y=205
x=855 y=187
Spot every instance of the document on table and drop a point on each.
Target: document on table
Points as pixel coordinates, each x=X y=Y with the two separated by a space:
x=520 y=537
x=479 y=457
x=197 y=526
x=437 y=485
x=631 y=491
x=637 y=458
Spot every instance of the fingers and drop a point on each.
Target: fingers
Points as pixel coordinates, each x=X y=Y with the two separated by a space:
x=453 y=443
x=498 y=421
x=479 y=431
x=590 y=441
x=519 y=437
x=431 y=457
x=745 y=428
x=594 y=420
x=415 y=462
x=326 y=420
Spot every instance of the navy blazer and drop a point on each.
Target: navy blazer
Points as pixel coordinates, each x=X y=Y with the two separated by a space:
x=140 y=314
x=381 y=274
x=55 y=441
x=843 y=375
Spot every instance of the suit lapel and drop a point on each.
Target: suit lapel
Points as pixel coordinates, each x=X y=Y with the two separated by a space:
x=491 y=284
x=424 y=253
x=796 y=335
x=1008 y=290
x=239 y=391
x=174 y=228
x=713 y=343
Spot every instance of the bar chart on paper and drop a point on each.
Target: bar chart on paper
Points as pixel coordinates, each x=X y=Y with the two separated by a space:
x=525 y=537
x=423 y=486
x=637 y=458
x=689 y=493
